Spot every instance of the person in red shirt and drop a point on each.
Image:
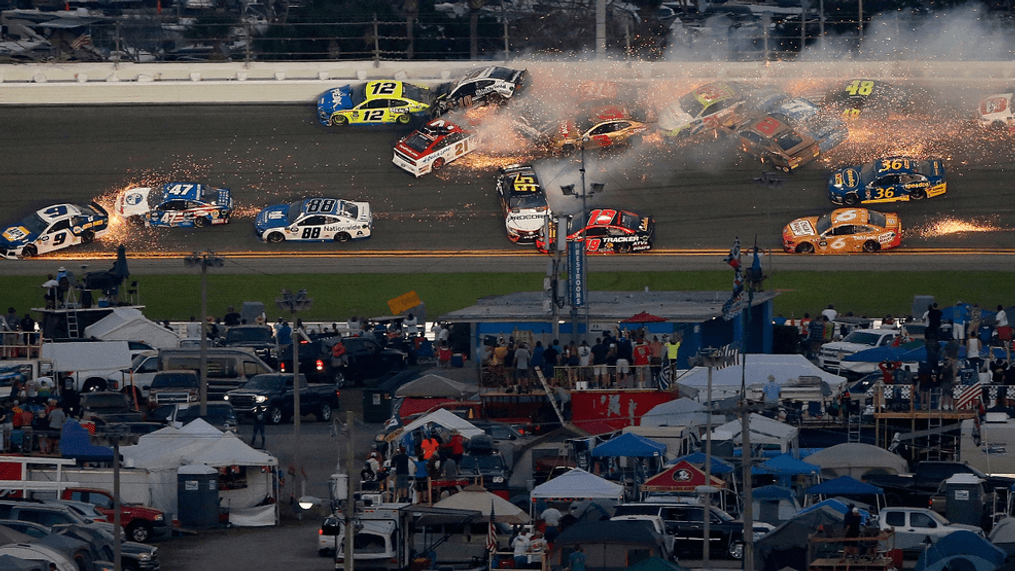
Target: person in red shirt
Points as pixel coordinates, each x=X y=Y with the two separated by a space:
x=338 y=356
x=429 y=446
x=887 y=370
x=642 y=360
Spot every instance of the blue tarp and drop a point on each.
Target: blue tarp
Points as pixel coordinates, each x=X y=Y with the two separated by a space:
x=719 y=466
x=837 y=506
x=772 y=492
x=844 y=486
x=877 y=354
x=631 y=445
x=963 y=544
x=920 y=353
x=786 y=465
x=76 y=443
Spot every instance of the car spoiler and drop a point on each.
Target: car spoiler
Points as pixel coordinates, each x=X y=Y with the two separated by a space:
x=98 y=208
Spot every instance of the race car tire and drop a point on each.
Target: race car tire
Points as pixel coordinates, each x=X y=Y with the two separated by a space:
x=29 y=252
x=324 y=413
x=870 y=246
x=784 y=169
x=438 y=164
x=87 y=236
x=275 y=237
x=275 y=415
x=918 y=194
x=339 y=120
x=568 y=149
x=851 y=199
x=622 y=248
x=805 y=248
x=201 y=222
x=342 y=237
x=404 y=118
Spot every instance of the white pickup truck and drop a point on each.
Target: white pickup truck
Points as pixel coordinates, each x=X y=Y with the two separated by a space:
x=914 y=525
x=832 y=354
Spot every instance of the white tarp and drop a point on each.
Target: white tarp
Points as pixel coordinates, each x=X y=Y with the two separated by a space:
x=129 y=324
x=580 y=485
x=446 y=419
x=726 y=381
x=680 y=412
x=87 y=355
x=764 y=430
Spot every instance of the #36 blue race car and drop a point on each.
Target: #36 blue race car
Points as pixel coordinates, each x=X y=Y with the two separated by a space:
x=888 y=179
x=317 y=219
x=180 y=204
x=54 y=228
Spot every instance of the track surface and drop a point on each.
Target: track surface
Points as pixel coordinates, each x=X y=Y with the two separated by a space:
x=700 y=195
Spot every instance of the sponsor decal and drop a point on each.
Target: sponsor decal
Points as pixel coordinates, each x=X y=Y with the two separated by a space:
x=801 y=228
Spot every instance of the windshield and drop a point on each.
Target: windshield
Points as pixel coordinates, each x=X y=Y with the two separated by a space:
x=690 y=104
x=241 y=334
x=34 y=224
x=174 y=380
x=862 y=338
x=482 y=464
x=637 y=510
x=629 y=221
x=528 y=200
x=876 y=218
x=358 y=94
x=294 y=211
x=270 y=382
x=823 y=223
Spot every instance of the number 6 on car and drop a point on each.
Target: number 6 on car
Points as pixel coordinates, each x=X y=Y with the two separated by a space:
x=843 y=231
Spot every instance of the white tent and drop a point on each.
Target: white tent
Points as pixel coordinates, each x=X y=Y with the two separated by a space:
x=476 y=498
x=680 y=412
x=764 y=430
x=129 y=324
x=855 y=459
x=726 y=381
x=578 y=484
x=448 y=420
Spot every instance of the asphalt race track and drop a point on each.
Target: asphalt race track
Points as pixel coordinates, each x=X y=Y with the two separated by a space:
x=701 y=194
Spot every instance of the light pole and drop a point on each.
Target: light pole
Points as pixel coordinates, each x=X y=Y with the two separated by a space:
x=576 y=251
x=205 y=260
x=288 y=301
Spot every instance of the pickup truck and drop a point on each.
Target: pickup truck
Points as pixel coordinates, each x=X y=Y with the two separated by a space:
x=918 y=488
x=141 y=523
x=686 y=522
x=273 y=393
x=365 y=359
x=109 y=407
x=257 y=338
x=831 y=354
x=914 y=525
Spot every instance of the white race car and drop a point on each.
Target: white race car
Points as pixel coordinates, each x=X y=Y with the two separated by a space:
x=995 y=112
x=523 y=202
x=316 y=219
x=431 y=147
x=54 y=228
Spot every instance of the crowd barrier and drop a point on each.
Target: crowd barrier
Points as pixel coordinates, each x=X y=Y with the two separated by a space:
x=301 y=82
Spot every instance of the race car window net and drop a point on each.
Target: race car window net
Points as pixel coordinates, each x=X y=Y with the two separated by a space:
x=630 y=221
x=877 y=219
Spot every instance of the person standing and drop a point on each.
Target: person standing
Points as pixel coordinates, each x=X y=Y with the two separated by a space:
x=830 y=312
x=625 y=354
x=1003 y=331
x=851 y=522
x=973 y=353
x=584 y=360
x=815 y=337
x=642 y=358
x=284 y=335
x=522 y=358
x=576 y=561
x=550 y=355
x=521 y=545
x=232 y=317
x=400 y=462
x=672 y=348
x=599 y=351
x=410 y=325
x=258 y=427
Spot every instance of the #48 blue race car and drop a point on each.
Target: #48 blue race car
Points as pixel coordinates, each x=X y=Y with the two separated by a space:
x=889 y=179
x=180 y=204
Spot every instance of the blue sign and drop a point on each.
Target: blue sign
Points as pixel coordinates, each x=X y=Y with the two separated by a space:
x=576 y=272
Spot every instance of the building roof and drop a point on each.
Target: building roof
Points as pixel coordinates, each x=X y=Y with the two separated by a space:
x=673 y=306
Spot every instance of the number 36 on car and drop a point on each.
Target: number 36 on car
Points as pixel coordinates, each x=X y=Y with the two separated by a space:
x=843 y=231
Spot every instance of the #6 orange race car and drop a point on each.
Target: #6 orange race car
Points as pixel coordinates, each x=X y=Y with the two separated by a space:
x=843 y=231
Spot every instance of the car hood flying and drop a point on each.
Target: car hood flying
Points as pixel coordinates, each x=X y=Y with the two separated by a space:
x=276 y=216
x=133 y=202
x=337 y=99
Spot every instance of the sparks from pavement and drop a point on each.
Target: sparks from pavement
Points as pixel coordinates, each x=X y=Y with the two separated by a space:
x=949 y=226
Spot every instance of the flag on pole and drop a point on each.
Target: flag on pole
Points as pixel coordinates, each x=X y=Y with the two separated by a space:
x=969 y=397
x=738 y=300
x=81 y=41
x=491 y=536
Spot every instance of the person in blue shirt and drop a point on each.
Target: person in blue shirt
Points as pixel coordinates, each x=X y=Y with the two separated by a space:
x=285 y=334
x=576 y=561
x=772 y=390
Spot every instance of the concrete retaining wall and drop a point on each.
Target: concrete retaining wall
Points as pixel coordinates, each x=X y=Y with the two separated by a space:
x=301 y=82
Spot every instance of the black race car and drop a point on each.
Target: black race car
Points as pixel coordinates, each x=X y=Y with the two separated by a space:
x=488 y=85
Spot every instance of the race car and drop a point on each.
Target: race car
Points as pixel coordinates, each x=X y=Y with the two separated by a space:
x=608 y=231
x=523 y=201
x=54 y=228
x=488 y=85
x=995 y=112
x=603 y=126
x=374 y=102
x=774 y=142
x=842 y=231
x=806 y=117
x=871 y=97
x=179 y=205
x=316 y=219
x=432 y=146
x=710 y=107
x=889 y=179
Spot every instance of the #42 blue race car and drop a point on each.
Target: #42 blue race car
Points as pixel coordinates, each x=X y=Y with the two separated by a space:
x=890 y=179
x=180 y=204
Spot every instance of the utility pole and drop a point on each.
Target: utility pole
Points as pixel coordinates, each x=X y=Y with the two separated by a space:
x=204 y=260
x=350 y=501
x=294 y=303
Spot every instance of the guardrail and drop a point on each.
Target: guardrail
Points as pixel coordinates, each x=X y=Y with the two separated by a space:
x=271 y=82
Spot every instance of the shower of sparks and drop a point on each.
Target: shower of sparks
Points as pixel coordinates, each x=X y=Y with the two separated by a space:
x=950 y=226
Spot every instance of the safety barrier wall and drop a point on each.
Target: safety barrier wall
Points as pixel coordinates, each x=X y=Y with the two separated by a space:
x=270 y=82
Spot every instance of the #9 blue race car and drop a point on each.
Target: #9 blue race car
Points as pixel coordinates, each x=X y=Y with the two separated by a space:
x=54 y=228
x=315 y=220
x=180 y=204
x=889 y=179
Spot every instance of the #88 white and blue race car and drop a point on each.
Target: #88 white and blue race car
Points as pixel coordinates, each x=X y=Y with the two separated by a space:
x=54 y=228
x=180 y=205
x=315 y=220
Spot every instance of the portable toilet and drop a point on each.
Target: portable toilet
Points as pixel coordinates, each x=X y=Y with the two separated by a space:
x=197 y=495
x=964 y=499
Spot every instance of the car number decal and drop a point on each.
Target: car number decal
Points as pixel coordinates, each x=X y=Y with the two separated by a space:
x=383 y=88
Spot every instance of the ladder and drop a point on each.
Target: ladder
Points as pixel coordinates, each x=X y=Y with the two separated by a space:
x=72 y=324
x=853 y=428
x=935 y=443
x=550 y=395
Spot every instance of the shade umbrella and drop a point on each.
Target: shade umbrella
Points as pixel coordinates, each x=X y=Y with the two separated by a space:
x=476 y=498
x=430 y=386
x=644 y=317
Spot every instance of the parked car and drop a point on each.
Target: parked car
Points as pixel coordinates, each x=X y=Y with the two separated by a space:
x=228 y=368
x=258 y=338
x=273 y=393
x=366 y=359
x=685 y=521
x=140 y=522
x=109 y=407
x=914 y=525
x=171 y=387
x=831 y=355
x=221 y=415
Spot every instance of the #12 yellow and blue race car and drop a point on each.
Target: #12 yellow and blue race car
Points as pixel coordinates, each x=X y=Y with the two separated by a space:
x=54 y=228
x=890 y=179
x=372 y=103
x=180 y=205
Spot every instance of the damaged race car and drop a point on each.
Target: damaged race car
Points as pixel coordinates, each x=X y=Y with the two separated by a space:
x=432 y=146
x=608 y=231
x=178 y=205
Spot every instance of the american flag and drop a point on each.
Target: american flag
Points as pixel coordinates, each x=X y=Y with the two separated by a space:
x=969 y=397
x=728 y=355
x=491 y=535
x=81 y=41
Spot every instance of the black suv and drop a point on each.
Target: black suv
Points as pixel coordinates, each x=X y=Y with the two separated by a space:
x=258 y=338
x=490 y=467
x=687 y=524
x=366 y=359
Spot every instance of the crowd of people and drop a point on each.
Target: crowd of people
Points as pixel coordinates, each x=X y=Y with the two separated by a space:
x=405 y=470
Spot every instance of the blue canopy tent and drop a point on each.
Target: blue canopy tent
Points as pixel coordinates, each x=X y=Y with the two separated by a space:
x=846 y=486
x=630 y=445
x=879 y=354
x=785 y=466
x=76 y=443
x=719 y=466
x=961 y=550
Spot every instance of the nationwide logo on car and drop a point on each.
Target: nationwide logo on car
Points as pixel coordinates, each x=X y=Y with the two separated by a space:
x=16 y=233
